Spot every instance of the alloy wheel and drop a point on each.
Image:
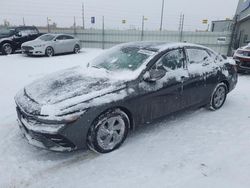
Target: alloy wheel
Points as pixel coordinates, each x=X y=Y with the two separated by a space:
x=219 y=96
x=49 y=52
x=111 y=132
x=7 y=49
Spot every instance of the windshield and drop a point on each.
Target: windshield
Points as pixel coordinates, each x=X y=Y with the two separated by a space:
x=46 y=37
x=122 y=58
x=6 y=31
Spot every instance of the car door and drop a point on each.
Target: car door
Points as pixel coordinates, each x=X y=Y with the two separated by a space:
x=70 y=42
x=194 y=88
x=19 y=37
x=32 y=33
x=59 y=44
x=163 y=96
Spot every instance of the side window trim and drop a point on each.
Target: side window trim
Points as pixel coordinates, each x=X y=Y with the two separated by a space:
x=184 y=65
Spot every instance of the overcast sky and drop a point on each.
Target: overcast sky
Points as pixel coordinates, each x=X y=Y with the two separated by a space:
x=63 y=11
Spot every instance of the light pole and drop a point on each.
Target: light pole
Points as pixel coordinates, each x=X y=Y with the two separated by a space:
x=162 y=10
x=83 y=17
x=48 y=24
x=142 y=27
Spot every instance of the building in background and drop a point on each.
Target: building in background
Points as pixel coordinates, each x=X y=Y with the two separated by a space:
x=242 y=20
x=222 y=25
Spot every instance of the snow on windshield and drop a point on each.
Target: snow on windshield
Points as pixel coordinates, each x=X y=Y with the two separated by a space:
x=122 y=58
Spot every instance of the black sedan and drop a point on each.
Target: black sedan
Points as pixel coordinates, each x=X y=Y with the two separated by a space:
x=127 y=86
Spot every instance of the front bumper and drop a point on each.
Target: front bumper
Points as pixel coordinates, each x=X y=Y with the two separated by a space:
x=49 y=138
x=32 y=51
x=243 y=64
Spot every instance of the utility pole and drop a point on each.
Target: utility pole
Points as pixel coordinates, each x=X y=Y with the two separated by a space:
x=48 y=25
x=103 y=34
x=74 y=25
x=83 y=17
x=162 y=11
x=23 y=22
x=142 y=28
x=181 y=25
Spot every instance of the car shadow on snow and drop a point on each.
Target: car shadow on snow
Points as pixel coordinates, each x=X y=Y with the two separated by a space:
x=83 y=155
x=173 y=123
x=18 y=52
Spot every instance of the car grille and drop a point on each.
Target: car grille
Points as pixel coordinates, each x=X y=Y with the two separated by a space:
x=27 y=48
x=245 y=64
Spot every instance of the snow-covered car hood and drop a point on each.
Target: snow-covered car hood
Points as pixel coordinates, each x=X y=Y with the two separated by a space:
x=64 y=85
x=54 y=93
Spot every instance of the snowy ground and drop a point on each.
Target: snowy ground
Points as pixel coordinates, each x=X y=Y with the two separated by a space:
x=192 y=149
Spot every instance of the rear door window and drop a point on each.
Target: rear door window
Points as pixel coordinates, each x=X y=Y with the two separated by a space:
x=68 y=37
x=27 y=31
x=61 y=37
x=197 y=56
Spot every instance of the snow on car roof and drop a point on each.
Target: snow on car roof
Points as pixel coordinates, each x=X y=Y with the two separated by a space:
x=161 y=46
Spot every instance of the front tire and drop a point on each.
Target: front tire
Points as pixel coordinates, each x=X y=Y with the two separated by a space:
x=218 y=97
x=49 y=52
x=7 y=49
x=108 y=131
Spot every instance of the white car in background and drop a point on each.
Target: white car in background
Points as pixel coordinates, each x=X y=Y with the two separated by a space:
x=51 y=44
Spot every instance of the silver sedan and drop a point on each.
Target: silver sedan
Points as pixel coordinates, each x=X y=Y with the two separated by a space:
x=51 y=44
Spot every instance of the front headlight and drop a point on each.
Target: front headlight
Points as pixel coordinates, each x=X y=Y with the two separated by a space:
x=52 y=113
x=70 y=117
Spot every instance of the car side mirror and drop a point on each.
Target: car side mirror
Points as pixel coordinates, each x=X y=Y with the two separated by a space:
x=18 y=34
x=154 y=75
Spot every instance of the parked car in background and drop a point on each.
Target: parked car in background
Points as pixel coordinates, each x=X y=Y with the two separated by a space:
x=51 y=44
x=127 y=86
x=242 y=58
x=12 y=38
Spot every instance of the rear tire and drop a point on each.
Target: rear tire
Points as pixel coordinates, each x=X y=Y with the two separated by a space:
x=7 y=49
x=77 y=49
x=49 y=52
x=108 y=131
x=218 y=97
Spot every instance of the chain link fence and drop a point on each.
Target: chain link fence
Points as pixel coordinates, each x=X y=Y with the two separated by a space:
x=103 y=38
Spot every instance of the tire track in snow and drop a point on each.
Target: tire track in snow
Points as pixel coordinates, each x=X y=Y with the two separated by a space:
x=80 y=158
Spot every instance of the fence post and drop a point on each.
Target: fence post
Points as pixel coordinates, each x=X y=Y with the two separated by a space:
x=181 y=27
x=142 y=28
x=103 y=33
x=74 y=25
x=48 y=25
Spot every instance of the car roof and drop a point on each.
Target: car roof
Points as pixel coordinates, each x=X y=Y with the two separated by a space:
x=59 y=34
x=22 y=27
x=161 y=46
